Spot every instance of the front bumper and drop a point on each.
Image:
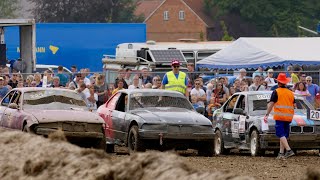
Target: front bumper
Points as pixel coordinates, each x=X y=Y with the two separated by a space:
x=70 y=134
x=296 y=141
x=152 y=134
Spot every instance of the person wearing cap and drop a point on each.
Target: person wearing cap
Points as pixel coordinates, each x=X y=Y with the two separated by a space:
x=3 y=89
x=282 y=102
x=270 y=80
x=175 y=80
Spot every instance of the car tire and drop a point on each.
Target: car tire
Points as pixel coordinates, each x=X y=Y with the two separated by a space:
x=219 y=144
x=102 y=144
x=27 y=129
x=110 y=148
x=135 y=144
x=255 y=149
x=206 y=149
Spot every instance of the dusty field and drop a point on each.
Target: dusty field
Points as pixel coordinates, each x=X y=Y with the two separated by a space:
x=302 y=166
x=25 y=156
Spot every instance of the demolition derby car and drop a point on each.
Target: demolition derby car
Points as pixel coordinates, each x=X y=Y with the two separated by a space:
x=239 y=124
x=155 y=119
x=45 y=110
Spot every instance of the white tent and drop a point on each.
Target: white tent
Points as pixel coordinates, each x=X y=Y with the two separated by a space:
x=255 y=52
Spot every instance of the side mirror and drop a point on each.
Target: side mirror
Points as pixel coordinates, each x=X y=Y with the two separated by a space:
x=13 y=106
x=238 y=111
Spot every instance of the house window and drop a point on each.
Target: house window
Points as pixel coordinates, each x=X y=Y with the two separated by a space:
x=181 y=15
x=166 y=15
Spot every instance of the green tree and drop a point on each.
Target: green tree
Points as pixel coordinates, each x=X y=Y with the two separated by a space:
x=8 y=8
x=273 y=17
x=84 y=11
x=226 y=36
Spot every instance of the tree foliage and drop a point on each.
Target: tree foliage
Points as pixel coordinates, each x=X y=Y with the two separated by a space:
x=84 y=11
x=272 y=17
x=8 y=8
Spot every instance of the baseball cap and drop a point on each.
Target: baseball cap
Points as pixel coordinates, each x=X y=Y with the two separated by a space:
x=175 y=62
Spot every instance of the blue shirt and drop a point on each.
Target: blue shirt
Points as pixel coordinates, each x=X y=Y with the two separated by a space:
x=3 y=91
x=313 y=90
x=165 y=79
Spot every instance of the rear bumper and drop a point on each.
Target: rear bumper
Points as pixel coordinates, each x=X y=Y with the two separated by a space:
x=296 y=141
x=70 y=134
x=151 y=134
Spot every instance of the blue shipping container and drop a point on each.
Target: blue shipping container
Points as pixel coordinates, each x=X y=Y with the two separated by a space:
x=78 y=44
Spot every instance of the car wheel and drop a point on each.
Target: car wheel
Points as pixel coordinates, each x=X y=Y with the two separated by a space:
x=101 y=144
x=255 y=144
x=206 y=149
x=135 y=144
x=218 y=144
x=27 y=129
x=110 y=148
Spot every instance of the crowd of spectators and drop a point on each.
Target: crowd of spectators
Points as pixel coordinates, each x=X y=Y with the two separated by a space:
x=95 y=90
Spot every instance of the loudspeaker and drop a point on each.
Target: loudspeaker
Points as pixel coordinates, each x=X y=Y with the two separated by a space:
x=3 y=54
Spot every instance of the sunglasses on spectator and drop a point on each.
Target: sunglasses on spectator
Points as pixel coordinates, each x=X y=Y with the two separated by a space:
x=157 y=80
x=176 y=66
x=308 y=80
x=197 y=83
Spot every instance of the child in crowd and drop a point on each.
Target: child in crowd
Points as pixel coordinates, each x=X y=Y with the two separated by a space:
x=214 y=104
x=300 y=88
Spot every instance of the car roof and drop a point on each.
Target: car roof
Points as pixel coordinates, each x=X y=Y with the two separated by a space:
x=152 y=91
x=29 y=89
x=264 y=92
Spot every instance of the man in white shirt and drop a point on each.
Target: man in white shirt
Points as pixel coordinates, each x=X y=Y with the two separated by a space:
x=256 y=86
x=198 y=93
x=91 y=98
x=135 y=83
x=242 y=74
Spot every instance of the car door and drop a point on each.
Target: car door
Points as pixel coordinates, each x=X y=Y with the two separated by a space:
x=16 y=114
x=105 y=112
x=239 y=124
x=7 y=119
x=228 y=123
x=118 y=118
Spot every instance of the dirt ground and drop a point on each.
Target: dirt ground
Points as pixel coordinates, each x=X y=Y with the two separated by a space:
x=304 y=165
x=26 y=156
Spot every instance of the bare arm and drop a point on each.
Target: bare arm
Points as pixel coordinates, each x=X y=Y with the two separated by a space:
x=270 y=106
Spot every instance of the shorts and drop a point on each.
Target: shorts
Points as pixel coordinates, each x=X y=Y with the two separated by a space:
x=282 y=129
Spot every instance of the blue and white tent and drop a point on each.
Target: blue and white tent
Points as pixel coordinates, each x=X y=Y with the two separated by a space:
x=255 y=52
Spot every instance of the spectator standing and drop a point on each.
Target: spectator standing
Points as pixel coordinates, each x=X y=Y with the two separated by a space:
x=13 y=82
x=270 y=80
x=74 y=71
x=282 y=102
x=212 y=106
x=91 y=98
x=242 y=74
x=80 y=91
x=127 y=76
x=244 y=86
x=222 y=80
x=135 y=83
x=294 y=75
x=20 y=84
x=191 y=76
x=256 y=86
x=313 y=90
x=74 y=84
x=120 y=78
x=56 y=82
x=199 y=93
x=119 y=86
x=236 y=85
x=37 y=79
x=209 y=92
x=29 y=80
x=86 y=80
x=259 y=72
x=64 y=78
x=302 y=77
x=101 y=89
x=3 y=89
x=148 y=86
x=219 y=93
x=156 y=82
x=33 y=84
x=6 y=81
x=175 y=80
x=145 y=78
x=301 y=89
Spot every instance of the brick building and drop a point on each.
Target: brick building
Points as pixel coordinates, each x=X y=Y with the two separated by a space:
x=171 y=20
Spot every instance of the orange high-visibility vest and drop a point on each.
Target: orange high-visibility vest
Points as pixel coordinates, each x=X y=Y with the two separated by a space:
x=284 y=107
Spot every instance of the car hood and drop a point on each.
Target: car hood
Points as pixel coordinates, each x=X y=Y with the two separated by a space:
x=48 y=116
x=171 y=116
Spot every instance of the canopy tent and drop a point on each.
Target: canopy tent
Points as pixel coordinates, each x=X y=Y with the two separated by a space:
x=255 y=52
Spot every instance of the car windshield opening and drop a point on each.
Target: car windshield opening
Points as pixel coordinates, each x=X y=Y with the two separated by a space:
x=53 y=100
x=158 y=102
